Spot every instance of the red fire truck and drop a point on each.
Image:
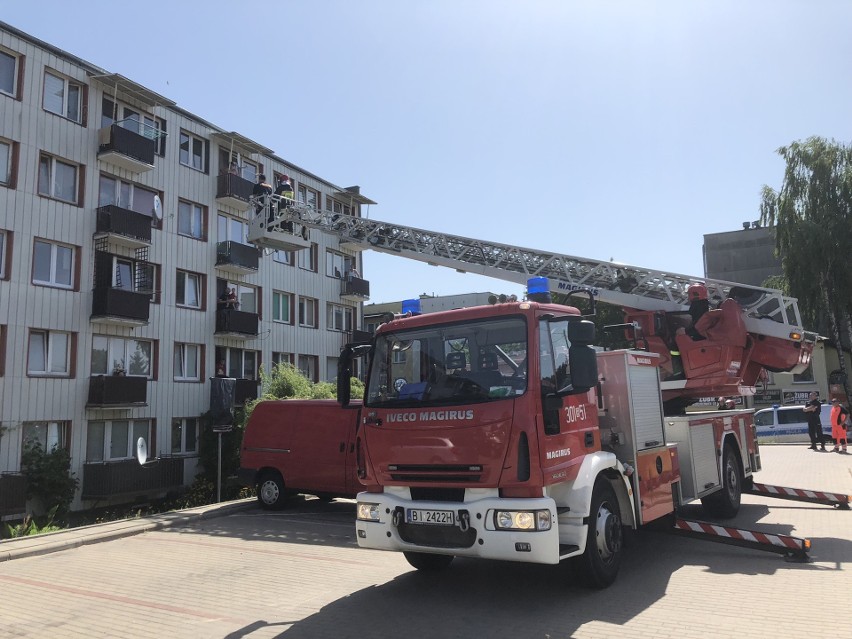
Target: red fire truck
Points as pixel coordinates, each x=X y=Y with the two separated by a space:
x=504 y=432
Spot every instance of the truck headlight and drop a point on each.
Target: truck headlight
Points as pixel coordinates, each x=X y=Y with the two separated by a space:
x=522 y=519
x=367 y=512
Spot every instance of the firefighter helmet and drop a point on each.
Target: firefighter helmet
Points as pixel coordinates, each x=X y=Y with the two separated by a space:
x=696 y=292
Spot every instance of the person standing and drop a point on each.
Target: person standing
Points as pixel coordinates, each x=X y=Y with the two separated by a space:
x=284 y=191
x=812 y=408
x=261 y=192
x=839 y=415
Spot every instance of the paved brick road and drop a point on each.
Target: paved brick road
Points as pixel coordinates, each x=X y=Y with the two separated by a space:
x=299 y=572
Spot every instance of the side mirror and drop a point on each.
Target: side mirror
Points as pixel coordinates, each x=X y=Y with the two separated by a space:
x=344 y=373
x=582 y=332
x=583 y=361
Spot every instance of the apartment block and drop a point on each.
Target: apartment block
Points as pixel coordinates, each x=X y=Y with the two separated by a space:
x=123 y=224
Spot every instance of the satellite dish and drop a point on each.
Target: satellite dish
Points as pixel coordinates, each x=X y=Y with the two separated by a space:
x=158 y=208
x=141 y=451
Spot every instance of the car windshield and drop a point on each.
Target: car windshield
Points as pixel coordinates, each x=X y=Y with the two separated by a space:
x=447 y=364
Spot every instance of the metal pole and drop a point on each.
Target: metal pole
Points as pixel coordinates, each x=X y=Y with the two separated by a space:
x=219 y=473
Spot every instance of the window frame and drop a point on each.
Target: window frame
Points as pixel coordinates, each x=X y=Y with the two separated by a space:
x=241 y=289
x=313 y=362
x=112 y=340
x=131 y=433
x=347 y=316
x=67 y=83
x=5 y=254
x=17 y=73
x=191 y=139
x=122 y=188
x=182 y=423
x=303 y=307
x=194 y=207
x=180 y=349
x=307 y=260
x=277 y=297
x=49 y=345
x=50 y=192
x=62 y=434
x=10 y=180
x=230 y=224
x=75 y=252
x=200 y=289
x=230 y=351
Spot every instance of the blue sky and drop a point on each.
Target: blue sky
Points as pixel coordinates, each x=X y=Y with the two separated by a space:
x=620 y=130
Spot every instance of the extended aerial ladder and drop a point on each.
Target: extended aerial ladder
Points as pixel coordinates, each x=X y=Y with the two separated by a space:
x=655 y=302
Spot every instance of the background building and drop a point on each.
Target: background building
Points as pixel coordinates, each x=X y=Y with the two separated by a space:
x=123 y=221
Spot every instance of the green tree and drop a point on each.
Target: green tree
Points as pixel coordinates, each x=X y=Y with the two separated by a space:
x=49 y=477
x=812 y=216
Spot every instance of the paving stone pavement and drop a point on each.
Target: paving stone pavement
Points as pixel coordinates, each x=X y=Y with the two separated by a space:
x=240 y=572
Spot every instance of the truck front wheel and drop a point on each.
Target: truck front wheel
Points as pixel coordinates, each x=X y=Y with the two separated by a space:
x=270 y=491
x=602 y=558
x=428 y=562
x=725 y=503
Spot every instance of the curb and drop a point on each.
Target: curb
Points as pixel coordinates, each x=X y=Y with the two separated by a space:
x=85 y=535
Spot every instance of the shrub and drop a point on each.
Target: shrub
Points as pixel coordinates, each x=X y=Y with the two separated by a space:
x=49 y=478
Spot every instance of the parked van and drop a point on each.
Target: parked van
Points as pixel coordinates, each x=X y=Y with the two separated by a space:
x=789 y=424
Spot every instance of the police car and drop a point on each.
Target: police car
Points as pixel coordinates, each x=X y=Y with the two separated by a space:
x=789 y=424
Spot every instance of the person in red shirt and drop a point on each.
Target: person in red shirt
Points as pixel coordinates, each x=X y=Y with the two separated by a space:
x=839 y=415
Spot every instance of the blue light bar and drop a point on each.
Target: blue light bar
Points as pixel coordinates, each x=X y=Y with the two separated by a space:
x=411 y=306
x=538 y=285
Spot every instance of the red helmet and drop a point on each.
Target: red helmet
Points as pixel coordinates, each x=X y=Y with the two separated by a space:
x=696 y=292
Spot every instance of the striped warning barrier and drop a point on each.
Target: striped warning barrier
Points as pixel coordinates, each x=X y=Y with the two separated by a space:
x=793 y=547
x=800 y=494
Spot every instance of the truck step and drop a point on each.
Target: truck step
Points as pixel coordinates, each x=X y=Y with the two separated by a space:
x=793 y=548
x=567 y=549
x=800 y=494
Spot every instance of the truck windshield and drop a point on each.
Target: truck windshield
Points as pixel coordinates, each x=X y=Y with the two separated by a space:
x=478 y=361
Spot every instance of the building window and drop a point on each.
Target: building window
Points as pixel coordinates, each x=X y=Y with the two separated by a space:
x=8 y=157
x=247 y=297
x=115 y=439
x=309 y=366
x=184 y=435
x=336 y=207
x=283 y=358
x=4 y=254
x=309 y=197
x=48 y=435
x=331 y=368
x=308 y=312
x=116 y=192
x=187 y=362
x=337 y=264
x=307 y=259
x=192 y=220
x=235 y=163
x=283 y=257
x=229 y=229
x=63 y=97
x=49 y=353
x=53 y=264
x=9 y=66
x=238 y=362
x=57 y=179
x=189 y=289
x=112 y=354
x=339 y=318
x=192 y=151
x=282 y=307
x=806 y=376
x=136 y=276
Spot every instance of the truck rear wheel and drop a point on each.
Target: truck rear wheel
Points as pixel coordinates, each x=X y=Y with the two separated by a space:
x=602 y=558
x=427 y=562
x=270 y=491
x=725 y=503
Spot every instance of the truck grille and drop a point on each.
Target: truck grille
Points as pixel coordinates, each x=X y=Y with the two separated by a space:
x=455 y=473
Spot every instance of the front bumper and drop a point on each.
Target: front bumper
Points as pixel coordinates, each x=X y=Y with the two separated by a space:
x=474 y=534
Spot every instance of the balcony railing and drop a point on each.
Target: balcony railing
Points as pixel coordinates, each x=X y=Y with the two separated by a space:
x=13 y=494
x=234 y=190
x=245 y=390
x=126 y=227
x=120 y=306
x=117 y=391
x=355 y=289
x=237 y=323
x=126 y=148
x=106 y=479
x=236 y=257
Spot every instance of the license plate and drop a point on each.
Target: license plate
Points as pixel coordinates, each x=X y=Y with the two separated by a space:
x=436 y=517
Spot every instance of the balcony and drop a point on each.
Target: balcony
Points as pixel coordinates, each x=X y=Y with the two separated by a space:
x=355 y=289
x=108 y=479
x=126 y=148
x=13 y=494
x=236 y=258
x=235 y=323
x=120 y=306
x=234 y=190
x=117 y=391
x=123 y=227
